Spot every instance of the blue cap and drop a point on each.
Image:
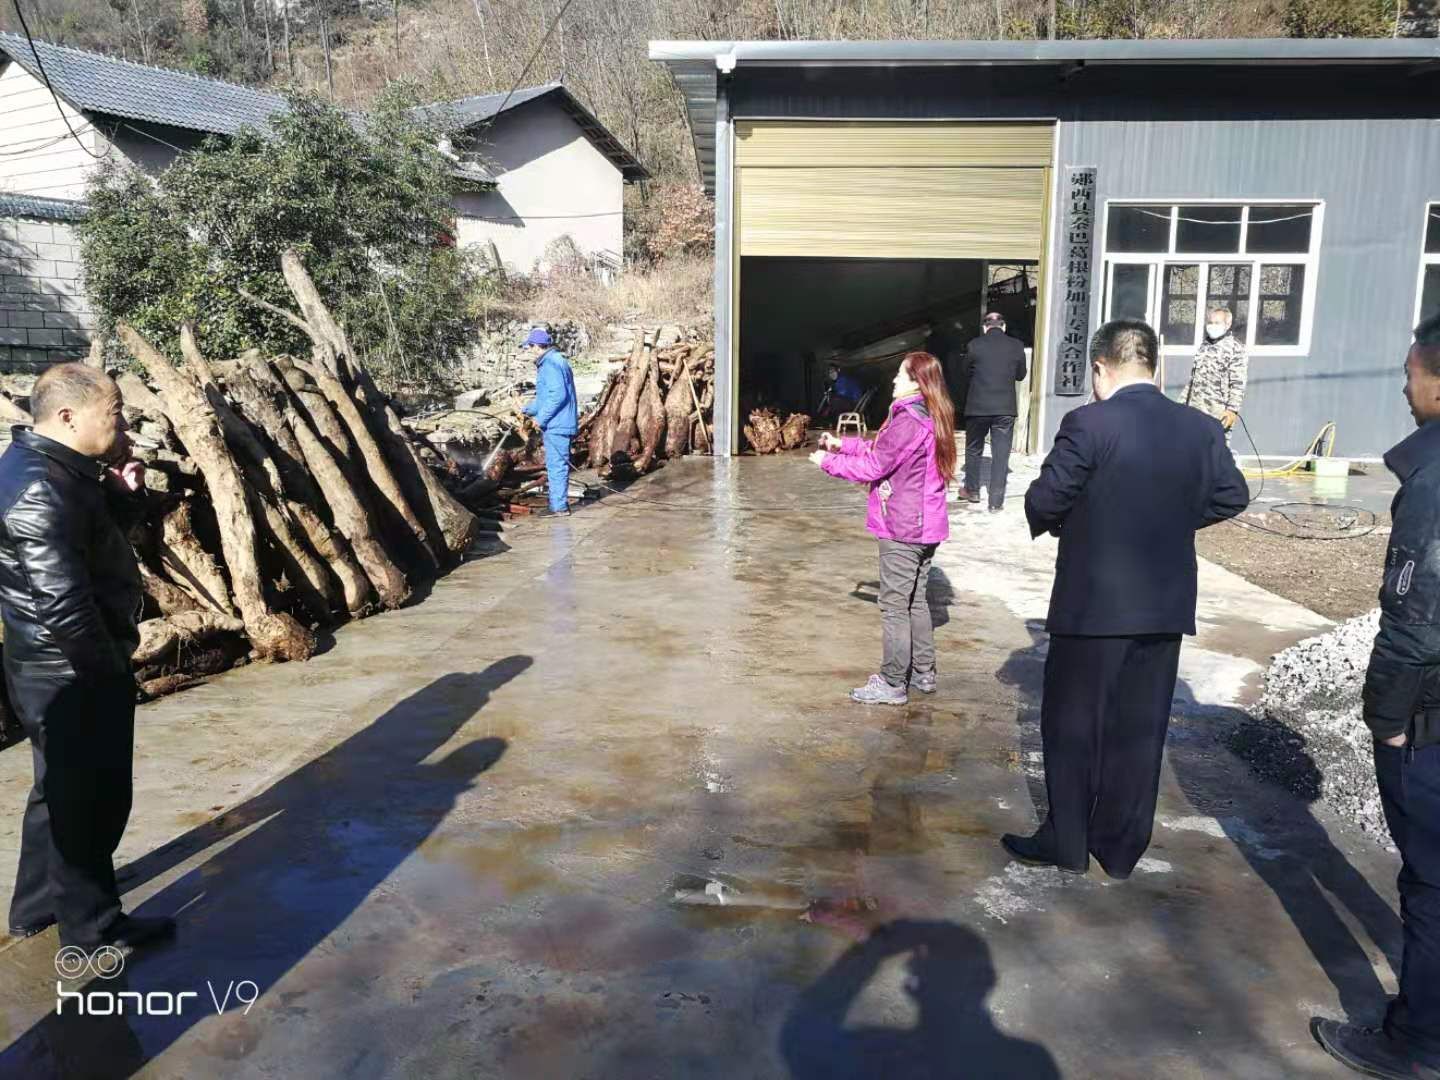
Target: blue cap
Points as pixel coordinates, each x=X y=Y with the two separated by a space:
x=539 y=336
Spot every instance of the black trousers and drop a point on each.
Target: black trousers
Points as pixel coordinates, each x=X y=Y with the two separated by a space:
x=1001 y=430
x=1410 y=790
x=1102 y=723
x=82 y=737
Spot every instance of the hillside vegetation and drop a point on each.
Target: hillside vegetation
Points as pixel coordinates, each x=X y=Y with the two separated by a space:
x=351 y=49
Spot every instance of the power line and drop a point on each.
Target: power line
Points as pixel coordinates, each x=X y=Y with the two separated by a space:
x=41 y=146
x=46 y=77
x=526 y=69
x=540 y=217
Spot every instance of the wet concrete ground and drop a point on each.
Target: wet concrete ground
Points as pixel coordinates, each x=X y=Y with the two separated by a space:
x=1370 y=491
x=599 y=808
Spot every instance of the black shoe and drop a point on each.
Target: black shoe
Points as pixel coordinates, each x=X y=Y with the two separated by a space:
x=20 y=933
x=1370 y=1051
x=547 y=512
x=1029 y=850
x=131 y=932
x=1113 y=875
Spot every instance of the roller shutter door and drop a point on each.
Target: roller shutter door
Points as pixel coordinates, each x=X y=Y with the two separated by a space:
x=915 y=190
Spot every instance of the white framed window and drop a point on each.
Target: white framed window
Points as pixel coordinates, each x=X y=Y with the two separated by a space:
x=1427 y=292
x=1168 y=262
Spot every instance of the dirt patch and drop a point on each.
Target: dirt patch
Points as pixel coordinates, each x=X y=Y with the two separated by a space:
x=1338 y=578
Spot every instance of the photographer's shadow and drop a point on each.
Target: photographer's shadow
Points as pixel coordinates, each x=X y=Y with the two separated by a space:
x=949 y=976
x=302 y=856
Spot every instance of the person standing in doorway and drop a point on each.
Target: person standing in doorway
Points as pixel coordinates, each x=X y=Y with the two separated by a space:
x=842 y=394
x=557 y=412
x=907 y=468
x=1220 y=372
x=1401 y=703
x=69 y=598
x=1130 y=479
x=994 y=363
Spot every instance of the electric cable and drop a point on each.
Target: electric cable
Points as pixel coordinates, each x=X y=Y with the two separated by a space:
x=46 y=78
x=1347 y=530
x=526 y=69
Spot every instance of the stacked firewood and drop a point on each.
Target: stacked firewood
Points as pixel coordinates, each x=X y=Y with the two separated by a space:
x=767 y=433
x=506 y=482
x=658 y=405
x=285 y=497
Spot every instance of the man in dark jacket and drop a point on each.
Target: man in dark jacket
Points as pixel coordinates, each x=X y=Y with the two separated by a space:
x=557 y=411
x=994 y=363
x=1401 y=703
x=69 y=597
x=1129 y=481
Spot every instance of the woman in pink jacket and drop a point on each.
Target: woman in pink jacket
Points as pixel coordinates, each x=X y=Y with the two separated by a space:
x=907 y=468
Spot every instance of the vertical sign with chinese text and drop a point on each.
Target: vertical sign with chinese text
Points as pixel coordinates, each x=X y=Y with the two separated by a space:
x=1077 y=246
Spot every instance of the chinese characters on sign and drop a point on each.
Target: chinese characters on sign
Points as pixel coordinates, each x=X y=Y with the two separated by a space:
x=1078 y=240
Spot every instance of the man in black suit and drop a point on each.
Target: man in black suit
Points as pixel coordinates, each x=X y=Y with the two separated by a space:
x=994 y=363
x=1130 y=479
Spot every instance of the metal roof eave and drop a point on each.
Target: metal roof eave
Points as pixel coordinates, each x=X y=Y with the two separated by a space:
x=695 y=65
x=1208 y=51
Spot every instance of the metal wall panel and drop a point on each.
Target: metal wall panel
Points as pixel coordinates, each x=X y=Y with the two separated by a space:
x=1374 y=177
x=1364 y=141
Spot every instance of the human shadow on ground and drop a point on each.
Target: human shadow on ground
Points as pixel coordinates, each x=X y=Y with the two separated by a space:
x=949 y=974
x=1276 y=831
x=301 y=857
x=1024 y=670
x=1290 y=850
x=939 y=595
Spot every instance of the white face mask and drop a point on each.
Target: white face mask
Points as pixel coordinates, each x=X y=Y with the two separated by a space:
x=1215 y=331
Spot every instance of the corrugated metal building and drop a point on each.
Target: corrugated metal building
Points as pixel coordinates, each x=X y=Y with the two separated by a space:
x=866 y=189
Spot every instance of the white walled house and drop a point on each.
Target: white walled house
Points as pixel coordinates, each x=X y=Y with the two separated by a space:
x=556 y=172
x=529 y=169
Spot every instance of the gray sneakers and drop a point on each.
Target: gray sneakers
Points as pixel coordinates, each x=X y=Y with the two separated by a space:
x=879 y=692
x=924 y=681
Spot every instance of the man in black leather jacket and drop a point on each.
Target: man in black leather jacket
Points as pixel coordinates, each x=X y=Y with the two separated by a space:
x=70 y=597
x=1402 y=709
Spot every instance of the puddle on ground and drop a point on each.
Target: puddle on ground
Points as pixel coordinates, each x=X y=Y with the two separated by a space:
x=512 y=864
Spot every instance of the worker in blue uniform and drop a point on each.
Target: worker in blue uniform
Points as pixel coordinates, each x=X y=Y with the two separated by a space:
x=556 y=411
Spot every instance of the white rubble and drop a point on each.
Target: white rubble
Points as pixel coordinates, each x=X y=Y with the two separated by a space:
x=1306 y=731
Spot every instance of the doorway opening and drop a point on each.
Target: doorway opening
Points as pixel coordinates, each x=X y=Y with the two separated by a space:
x=802 y=317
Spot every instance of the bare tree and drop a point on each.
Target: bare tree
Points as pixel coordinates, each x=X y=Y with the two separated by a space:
x=485 y=43
x=322 y=5
x=289 y=56
x=269 y=43
x=140 y=31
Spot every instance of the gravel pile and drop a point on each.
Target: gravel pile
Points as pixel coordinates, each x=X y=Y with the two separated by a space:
x=1306 y=731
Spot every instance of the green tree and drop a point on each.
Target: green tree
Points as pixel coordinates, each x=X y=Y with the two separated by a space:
x=365 y=200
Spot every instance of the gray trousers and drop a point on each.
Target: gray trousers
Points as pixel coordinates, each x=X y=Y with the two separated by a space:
x=904 y=611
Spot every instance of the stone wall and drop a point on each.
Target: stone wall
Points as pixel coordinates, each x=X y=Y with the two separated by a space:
x=45 y=317
x=494 y=360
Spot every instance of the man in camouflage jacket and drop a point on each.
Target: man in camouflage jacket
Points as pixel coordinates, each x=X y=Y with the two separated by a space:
x=1217 y=378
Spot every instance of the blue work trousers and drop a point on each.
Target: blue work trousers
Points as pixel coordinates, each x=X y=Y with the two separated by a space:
x=1410 y=790
x=557 y=469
